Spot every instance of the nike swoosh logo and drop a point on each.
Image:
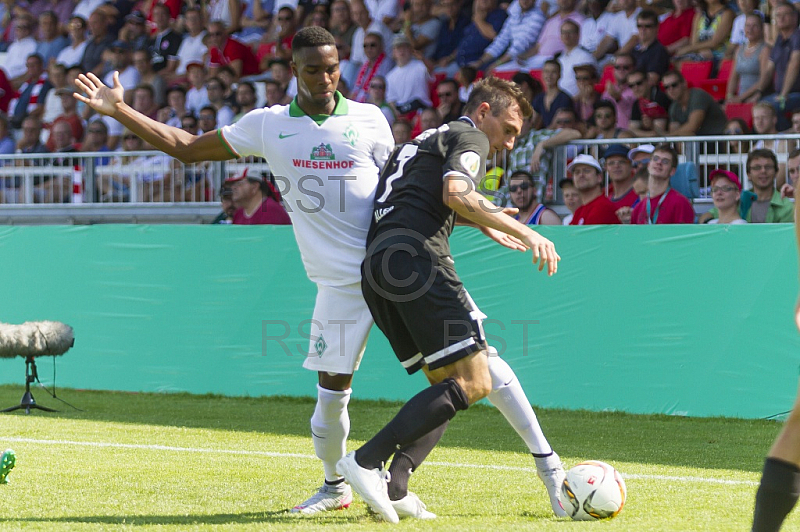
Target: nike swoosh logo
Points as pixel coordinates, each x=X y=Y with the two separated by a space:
x=282 y=136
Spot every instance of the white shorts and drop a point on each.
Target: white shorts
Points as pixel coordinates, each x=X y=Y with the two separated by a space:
x=339 y=329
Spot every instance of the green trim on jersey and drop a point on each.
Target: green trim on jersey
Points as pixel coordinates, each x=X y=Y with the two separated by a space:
x=341 y=109
x=225 y=143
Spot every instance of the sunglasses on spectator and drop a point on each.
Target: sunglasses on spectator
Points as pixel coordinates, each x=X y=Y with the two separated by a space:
x=646 y=26
x=734 y=132
x=671 y=85
x=714 y=190
x=623 y=67
x=636 y=83
x=522 y=186
x=640 y=162
x=284 y=19
x=206 y=117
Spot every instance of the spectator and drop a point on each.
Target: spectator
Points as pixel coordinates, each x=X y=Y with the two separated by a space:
x=226 y=202
x=586 y=97
x=675 y=30
x=533 y=153
x=257 y=201
x=487 y=20
x=197 y=95
x=746 y=7
x=32 y=92
x=226 y=11
x=572 y=198
x=31 y=133
x=664 y=205
x=407 y=83
x=451 y=31
x=783 y=66
x=429 y=118
x=640 y=178
x=650 y=109
x=376 y=64
x=524 y=196
x=737 y=126
x=552 y=99
x=216 y=97
x=587 y=174
x=421 y=27
x=726 y=191
x=710 y=34
x=24 y=45
x=134 y=31
x=510 y=50
x=207 y=119
x=622 y=34
x=69 y=115
x=693 y=111
x=7 y=144
x=276 y=95
x=166 y=44
x=7 y=92
x=605 y=124
x=550 y=41
x=175 y=110
x=142 y=62
x=57 y=76
x=450 y=106
x=281 y=46
x=572 y=56
x=245 y=99
x=282 y=73
x=764 y=122
x=85 y=8
x=144 y=100
x=192 y=49
x=530 y=87
x=750 y=69
x=377 y=96
x=649 y=54
x=254 y=21
x=62 y=9
x=366 y=24
x=227 y=51
x=618 y=91
x=620 y=174
x=596 y=28
x=640 y=156
x=793 y=167
x=401 y=131
x=189 y=123
x=72 y=54
x=342 y=24
x=764 y=204
x=101 y=41
x=51 y=41
x=466 y=78
x=96 y=141
x=58 y=188
x=153 y=174
x=129 y=77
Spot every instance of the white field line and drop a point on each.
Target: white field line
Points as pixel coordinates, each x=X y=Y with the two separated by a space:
x=312 y=457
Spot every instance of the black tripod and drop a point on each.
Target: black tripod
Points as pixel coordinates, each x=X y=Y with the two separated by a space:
x=28 y=401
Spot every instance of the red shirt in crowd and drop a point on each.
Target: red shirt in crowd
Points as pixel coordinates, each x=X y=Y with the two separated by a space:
x=232 y=51
x=270 y=212
x=270 y=49
x=675 y=209
x=598 y=211
x=625 y=201
x=673 y=28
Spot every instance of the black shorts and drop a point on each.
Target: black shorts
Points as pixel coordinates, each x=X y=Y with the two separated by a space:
x=421 y=307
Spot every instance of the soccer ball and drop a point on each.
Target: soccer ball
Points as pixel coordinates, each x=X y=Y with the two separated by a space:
x=593 y=490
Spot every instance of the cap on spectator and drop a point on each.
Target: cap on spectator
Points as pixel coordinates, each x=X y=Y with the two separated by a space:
x=65 y=90
x=616 y=149
x=566 y=182
x=644 y=148
x=588 y=160
x=225 y=190
x=119 y=44
x=725 y=174
x=400 y=39
x=244 y=175
x=136 y=16
x=195 y=63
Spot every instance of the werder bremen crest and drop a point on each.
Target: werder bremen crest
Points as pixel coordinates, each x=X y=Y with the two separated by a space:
x=351 y=134
x=323 y=152
x=320 y=346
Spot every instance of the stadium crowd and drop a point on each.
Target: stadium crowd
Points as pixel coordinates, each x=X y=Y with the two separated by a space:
x=593 y=69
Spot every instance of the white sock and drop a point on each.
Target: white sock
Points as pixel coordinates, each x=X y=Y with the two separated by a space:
x=330 y=426
x=510 y=399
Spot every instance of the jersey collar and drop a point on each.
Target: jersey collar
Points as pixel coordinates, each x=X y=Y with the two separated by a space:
x=467 y=119
x=341 y=109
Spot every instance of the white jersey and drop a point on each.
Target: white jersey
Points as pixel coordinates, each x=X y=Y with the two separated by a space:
x=327 y=169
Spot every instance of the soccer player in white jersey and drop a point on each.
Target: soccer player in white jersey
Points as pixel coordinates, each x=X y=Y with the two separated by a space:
x=337 y=147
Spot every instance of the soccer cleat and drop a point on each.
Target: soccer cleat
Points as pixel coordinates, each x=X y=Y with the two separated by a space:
x=411 y=506
x=551 y=471
x=7 y=461
x=371 y=484
x=326 y=499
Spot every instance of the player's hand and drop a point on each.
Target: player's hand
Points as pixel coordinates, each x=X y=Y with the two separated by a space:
x=99 y=97
x=504 y=239
x=544 y=252
x=797 y=315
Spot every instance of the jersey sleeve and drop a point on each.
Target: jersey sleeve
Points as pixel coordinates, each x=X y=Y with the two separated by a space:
x=466 y=154
x=384 y=140
x=245 y=137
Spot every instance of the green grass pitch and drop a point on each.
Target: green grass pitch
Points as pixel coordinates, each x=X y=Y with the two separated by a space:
x=183 y=463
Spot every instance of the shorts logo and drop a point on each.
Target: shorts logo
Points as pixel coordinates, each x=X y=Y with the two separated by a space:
x=323 y=152
x=351 y=135
x=320 y=346
x=471 y=162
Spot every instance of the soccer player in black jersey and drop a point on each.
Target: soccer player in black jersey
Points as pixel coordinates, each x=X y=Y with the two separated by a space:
x=411 y=286
x=780 y=481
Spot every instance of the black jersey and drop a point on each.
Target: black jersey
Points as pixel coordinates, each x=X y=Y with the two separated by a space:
x=409 y=206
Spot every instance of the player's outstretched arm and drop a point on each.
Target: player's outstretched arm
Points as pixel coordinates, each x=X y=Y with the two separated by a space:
x=460 y=195
x=506 y=240
x=171 y=140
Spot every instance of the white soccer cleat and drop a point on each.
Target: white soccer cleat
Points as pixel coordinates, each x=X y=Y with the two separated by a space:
x=326 y=499
x=551 y=471
x=371 y=484
x=411 y=506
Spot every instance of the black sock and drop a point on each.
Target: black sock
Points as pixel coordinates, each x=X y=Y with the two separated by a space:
x=409 y=458
x=777 y=494
x=421 y=414
x=334 y=482
x=542 y=455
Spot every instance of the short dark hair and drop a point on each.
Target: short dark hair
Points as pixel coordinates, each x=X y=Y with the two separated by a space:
x=522 y=173
x=794 y=153
x=312 y=37
x=667 y=148
x=762 y=153
x=500 y=94
x=555 y=63
x=247 y=84
x=176 y=88
x=675 y=74
x=449 y=81
x=146 y=87
x=605 y=104
x=208 y=108
x=649 y=15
